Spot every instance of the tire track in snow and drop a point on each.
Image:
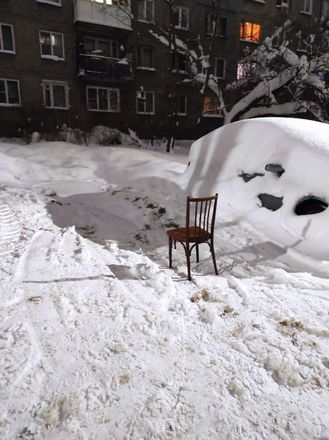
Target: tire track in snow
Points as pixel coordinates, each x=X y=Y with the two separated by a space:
x=10 y=230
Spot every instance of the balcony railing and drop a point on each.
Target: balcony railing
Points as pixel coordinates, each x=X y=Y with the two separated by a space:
x=104 y=68
x=89 y=11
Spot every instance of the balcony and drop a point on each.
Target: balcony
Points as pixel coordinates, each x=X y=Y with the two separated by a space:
x=92 y=66
x=95 y=12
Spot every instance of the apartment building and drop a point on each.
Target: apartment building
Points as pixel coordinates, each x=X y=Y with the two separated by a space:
x=128 y=63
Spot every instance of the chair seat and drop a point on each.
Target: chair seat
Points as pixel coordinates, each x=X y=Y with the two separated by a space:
x=193 y=234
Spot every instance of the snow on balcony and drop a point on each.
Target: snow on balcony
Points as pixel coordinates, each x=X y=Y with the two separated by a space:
x=102 y=13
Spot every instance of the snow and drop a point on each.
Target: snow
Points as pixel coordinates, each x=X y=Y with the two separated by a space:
x=99 y=339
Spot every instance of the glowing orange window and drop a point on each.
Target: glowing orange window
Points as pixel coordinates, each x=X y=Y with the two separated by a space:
x=250 y=31
x=211 y=106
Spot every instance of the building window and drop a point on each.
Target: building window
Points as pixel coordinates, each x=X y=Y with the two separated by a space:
x=308 y=6
x=145 y=58
x=52 y=45
x=245 y=70
x=282 y=3
x=181 y=105
x=250 y=31
x=179 y=62
x=219 y=22
x=325 y=9
x=9 y=92
x=51 y=2
x=181 y=17
x=103 y=99
x=145 y=10
x=7 y=38
x=106 y=48
x=145 y=103
x=211 y=107
x=219 y=68
x=55 y=94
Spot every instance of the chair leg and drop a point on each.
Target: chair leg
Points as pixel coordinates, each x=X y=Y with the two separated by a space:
x=212 y=250
x=170 y=252
x=197 y=253
x=188 y=261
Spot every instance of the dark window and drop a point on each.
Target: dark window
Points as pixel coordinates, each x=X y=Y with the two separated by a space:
x=145 y=57
x=179 y=62
x=6 y=38
x=9 y=92
x=218 y=22
x=181 y=17
x=145 y=10
x=145 y=102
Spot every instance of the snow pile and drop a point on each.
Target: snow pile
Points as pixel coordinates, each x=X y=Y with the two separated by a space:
x=241 y=162
x=99 y=339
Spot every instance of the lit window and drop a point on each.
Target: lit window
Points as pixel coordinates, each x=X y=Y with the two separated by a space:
x=52 y=45
x=181 y=17
x=219 y=22
x=219 y=68
x=106 y=48
x=211 y=107
x=51 y=2
x=250 y=31
x=103 y=99
x=9 y=92
x=145 y=57
x=145 y=10
x=145 y=102
x=308 y=6
x=55 y=95
x=7 y=38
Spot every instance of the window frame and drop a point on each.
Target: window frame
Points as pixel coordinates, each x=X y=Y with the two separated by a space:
x=185 y=105
x=209 y=115
x=7 y=104
x=145 y=20
x=153 y=102
x=52 y=56
x=215 y=68
x=108 y=89
x=111 y=43
x=305 y=11
x=140 y=58
x=179 y=58
x=12 y=36
x=51 y=2
x=52 y=83
x=219 y=18
x=243 y=26
x=180 y=9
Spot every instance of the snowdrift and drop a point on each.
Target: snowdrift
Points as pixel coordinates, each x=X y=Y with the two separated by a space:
x=271 y=172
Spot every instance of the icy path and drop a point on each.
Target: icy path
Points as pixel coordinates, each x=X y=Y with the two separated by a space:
x=104 y=343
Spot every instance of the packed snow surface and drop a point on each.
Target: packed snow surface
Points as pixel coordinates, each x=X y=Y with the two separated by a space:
x=100 y=340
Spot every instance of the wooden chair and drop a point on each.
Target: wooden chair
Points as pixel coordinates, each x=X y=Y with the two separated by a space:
x=200 y=224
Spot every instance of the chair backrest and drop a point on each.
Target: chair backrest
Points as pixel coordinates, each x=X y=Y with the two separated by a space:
x=201 y=212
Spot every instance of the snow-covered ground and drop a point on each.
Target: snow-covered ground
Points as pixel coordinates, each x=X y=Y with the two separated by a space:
x=99 y=340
